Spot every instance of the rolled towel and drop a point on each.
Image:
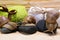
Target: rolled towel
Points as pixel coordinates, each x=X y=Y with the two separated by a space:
x=19 y=16
x=37 y=12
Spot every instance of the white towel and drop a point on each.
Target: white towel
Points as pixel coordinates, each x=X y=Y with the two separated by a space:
x=36 y=12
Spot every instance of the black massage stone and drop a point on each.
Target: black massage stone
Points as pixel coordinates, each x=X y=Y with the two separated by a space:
x=27 y=29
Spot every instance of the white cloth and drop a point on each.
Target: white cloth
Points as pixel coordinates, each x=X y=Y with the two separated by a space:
x=36 y=12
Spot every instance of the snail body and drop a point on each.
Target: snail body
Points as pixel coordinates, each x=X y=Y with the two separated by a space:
x=29 y=20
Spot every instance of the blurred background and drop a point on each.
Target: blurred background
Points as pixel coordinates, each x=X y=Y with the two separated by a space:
x=28 y=3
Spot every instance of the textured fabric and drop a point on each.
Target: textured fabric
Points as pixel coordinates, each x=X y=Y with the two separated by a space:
x=36 y=12
x=19 y=16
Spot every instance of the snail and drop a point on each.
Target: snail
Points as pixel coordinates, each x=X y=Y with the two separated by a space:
x=51 y=22
x=29 y=20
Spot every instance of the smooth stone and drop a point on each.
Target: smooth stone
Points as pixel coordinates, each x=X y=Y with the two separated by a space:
x=27 y=29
